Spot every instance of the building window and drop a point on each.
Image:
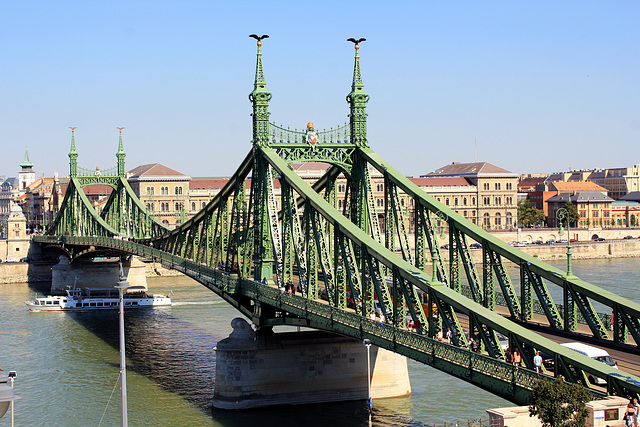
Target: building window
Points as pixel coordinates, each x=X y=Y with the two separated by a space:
x=341 y=188
x=177 y=190
x=486 y=186
x=498 y=219
x=380 y=187
x=497 y=186
x=455 y=201
x=164 y=191
x=193 y=206
x=379 y=203
x=447 y=202
x=498 y=201
x=595 y=214
x=487 y=220
x=150 y=191
x=473 y=201
x=204 y=205
x=464 y=201
x=509 y=221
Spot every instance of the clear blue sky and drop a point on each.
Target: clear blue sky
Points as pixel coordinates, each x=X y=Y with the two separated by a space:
x=541 y=85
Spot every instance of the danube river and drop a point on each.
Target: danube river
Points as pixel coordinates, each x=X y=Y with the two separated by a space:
x=68 y=365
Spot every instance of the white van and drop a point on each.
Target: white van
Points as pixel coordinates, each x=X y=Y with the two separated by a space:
x=595 y=353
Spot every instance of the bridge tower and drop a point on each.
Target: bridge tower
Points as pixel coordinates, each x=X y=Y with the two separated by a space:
x=357 y=100
x=73 y=154
x=120 y=155
x=261 y=180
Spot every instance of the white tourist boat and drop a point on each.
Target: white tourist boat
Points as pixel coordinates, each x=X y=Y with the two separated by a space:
x=78 y=299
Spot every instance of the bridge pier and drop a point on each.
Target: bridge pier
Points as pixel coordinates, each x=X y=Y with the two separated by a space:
x=95 y=273
x=301 y=368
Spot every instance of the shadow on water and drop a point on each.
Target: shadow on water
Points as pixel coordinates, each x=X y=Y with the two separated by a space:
x=180 y=358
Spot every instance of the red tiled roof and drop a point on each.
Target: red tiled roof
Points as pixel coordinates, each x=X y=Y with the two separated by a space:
x=444 y=181
x=468 y=169
x=154 y=169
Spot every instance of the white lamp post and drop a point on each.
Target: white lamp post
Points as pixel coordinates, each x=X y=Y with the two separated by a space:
x=367 y=343
x=122 y=285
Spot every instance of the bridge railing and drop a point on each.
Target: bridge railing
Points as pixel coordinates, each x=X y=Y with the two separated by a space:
x=280 y=134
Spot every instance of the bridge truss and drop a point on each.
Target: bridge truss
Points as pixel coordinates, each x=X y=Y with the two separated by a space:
x=269 y=225
x=122 y=215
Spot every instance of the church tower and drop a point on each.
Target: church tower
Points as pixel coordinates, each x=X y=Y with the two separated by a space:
x=26 y=176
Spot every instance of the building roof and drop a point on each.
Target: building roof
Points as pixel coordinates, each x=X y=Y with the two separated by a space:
x=441 y=181
x=576 y=186
x=156 y=171
x=583 y=197
x=530 y=184
x=469 y=169
x=213 y=183
x=308 y=167
x=10 y=184
x=634 y=196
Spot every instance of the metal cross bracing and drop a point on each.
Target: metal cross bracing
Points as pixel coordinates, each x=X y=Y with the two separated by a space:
x=341 y=255
x=122 y=215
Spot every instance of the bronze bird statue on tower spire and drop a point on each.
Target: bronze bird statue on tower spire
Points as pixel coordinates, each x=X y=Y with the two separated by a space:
x=259 y=38
x=357 y=42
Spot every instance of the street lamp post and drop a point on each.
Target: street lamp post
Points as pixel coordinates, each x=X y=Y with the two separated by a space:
x=122 y=286
x=367 y=343
x=562 y=214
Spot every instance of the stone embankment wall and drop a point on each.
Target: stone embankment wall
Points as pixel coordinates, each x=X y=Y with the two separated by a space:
x=20 y=272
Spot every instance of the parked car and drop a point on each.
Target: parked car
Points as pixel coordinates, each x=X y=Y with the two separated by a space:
x=475 y=246
x=550 y=242
x=513 y=243
x=10 y=260
x=537 y=242
x=573 y=240
x=599 y=239
x=25 y=259
x=628 y=237
x=561 y=241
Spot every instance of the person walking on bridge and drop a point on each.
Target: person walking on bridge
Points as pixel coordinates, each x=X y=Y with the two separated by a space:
x=516 y=357
x=537 y=362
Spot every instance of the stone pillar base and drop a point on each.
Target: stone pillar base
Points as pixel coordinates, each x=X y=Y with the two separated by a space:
x=301 y=368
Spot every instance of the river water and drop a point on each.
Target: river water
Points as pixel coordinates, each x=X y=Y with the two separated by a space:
x=68 y=365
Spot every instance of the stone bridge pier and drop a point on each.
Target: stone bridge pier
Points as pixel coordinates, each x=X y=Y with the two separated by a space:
x=295 y=368
x=95 y=273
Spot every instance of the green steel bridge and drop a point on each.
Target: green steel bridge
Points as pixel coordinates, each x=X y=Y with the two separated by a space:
x=342 y=256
